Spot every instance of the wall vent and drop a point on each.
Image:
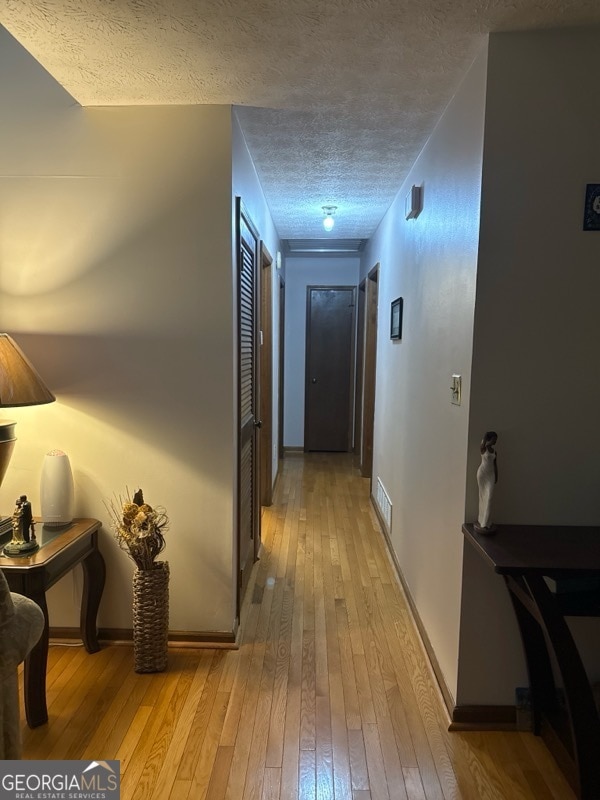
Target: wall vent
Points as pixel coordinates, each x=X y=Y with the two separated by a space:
x=384 y=504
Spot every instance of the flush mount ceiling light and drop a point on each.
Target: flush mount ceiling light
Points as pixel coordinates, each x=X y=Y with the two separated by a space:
x=329 y=222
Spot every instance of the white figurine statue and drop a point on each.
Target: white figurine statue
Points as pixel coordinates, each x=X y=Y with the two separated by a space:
x=487 y=477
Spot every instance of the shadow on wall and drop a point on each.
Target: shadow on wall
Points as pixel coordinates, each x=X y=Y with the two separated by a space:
x=153 y=389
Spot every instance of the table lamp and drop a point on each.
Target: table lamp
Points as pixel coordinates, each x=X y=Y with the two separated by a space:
x=20 y=385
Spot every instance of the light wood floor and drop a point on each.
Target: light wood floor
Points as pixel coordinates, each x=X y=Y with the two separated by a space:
x=329 y=695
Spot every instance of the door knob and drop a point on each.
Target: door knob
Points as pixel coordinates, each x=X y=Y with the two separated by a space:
x=313 y=380
x=258 y=423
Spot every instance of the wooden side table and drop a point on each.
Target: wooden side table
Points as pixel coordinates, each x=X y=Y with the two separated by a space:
x=569 y=555
x=60 y=550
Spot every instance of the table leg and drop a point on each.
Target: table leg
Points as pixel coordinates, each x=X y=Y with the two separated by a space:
x=583 y=717
x=539 y=668
x=36 y=663
x=94 y=573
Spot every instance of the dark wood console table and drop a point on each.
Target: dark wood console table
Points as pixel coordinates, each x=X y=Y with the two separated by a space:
x=570 y=556
x=60 y=550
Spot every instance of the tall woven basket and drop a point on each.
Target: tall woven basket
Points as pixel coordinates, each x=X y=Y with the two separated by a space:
x=151 y=617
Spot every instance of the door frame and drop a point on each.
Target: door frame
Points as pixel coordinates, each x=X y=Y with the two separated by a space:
x=266 y=377
x=361 y=302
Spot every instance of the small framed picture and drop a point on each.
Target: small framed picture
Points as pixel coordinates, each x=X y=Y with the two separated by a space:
x=396 y=319
x=591 y=214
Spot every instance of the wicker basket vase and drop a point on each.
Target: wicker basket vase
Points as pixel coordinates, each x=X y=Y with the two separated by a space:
x=151 y=617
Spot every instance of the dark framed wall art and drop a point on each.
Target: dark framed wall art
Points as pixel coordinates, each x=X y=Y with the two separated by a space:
x=591 y=216
x=396 y=318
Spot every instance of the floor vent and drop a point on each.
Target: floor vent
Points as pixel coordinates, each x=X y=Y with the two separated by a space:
x=384 y=504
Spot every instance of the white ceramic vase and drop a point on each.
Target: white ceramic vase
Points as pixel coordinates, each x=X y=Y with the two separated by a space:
x=57 y=494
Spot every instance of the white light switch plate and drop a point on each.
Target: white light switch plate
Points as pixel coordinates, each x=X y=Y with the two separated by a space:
x=456 y=389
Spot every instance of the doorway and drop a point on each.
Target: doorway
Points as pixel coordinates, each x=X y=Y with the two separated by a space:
x=329 y=395
x=266 y=377
x=366 y=366
x=280 y=450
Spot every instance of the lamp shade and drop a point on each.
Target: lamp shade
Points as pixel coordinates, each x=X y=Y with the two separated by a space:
x=7 y=444
x=20 y=385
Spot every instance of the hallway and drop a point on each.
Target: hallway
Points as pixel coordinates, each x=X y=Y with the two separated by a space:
x=329 y=695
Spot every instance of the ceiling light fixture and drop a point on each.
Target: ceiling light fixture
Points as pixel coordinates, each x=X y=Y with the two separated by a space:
x=329 y=222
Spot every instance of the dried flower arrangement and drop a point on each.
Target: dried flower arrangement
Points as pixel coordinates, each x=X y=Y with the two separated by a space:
x=139 y=529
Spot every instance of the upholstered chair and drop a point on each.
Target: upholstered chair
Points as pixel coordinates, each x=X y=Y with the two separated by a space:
x=21 y=625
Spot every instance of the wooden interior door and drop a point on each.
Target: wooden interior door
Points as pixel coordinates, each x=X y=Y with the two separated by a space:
x=329 y=392
x=266 y=377
x=248 y=352
x=360 y=368
x=281 y=363
x=369 y=371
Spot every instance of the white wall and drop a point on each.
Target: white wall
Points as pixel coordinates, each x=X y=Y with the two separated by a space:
x=247 y=186
x=420 y=438
x=535 y=377
x=301 y=272
x=116 y=279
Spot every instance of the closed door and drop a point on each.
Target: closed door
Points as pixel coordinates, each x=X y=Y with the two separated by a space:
x=248 y=497
x=330 y=323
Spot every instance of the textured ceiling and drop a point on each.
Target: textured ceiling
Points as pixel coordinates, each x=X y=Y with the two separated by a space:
x=337 y=98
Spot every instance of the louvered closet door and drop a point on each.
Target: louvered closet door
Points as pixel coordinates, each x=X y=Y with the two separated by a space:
x=248 y=497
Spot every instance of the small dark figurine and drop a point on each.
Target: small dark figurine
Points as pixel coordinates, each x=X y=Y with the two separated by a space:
x=17 y=517
x=23 y=530
x=27 y=523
